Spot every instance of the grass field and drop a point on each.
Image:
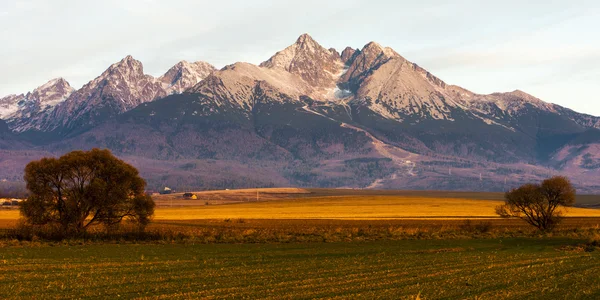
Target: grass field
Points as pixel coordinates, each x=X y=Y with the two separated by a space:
x=315 y=243
x=452 y=269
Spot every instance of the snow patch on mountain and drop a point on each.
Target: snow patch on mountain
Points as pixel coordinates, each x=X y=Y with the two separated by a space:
x=9 y=105
x=38 y=103
x=185 y=75
x=317 y=66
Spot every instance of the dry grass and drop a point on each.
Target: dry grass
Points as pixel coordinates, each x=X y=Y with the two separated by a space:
x=337 y=207
x=8 y=215
x=349 y=207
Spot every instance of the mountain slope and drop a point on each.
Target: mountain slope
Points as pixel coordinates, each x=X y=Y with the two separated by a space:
x=276 y=136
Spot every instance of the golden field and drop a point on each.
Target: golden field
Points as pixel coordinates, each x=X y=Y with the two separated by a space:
x=291 y=203
x=349 y=207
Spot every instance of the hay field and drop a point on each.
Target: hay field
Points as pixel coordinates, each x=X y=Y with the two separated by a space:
x=328 y=204
x=349 y=207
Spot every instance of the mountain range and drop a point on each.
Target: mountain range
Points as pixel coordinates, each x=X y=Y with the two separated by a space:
x=307 y=116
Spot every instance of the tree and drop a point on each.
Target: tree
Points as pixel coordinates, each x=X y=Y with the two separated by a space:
x=537 y=203
x=83 y=188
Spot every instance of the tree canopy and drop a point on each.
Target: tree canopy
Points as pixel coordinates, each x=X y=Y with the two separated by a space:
x=537 y=203
x=83 y=188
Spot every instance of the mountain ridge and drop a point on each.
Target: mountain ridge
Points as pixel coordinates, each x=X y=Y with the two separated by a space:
x=311 y=116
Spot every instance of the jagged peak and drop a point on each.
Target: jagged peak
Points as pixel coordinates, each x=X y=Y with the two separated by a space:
x=309 y=60
x=376 y=48
x=304 y=45
x=348 y=54
x=184 y=75
x=334 y=51
x=128 y=62
x=128 y=67
x=56 y=82
x=305 y=38
x=372 y=45
x=11 y=96
x=184 y=64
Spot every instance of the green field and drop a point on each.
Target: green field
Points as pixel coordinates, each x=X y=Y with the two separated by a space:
x=549 y=268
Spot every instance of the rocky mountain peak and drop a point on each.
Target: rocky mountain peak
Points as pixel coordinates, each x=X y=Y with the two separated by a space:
x=185 y=75
x=236 y=85
x=348 y=55
x=129 y=60
x=306 y=58
x=128 y=68
x=25 y=109
x=56 y=82
x=364 y=61
x=51 y=93
x=121 y=87
x=9 y=105
x=305 y=40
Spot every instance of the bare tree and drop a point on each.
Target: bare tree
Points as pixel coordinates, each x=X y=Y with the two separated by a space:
x=537 y=203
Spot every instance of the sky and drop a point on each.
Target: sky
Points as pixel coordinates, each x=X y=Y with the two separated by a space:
x=548 y=48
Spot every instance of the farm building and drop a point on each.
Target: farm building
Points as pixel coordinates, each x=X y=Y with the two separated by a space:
x=166 y=190
x=190 y=196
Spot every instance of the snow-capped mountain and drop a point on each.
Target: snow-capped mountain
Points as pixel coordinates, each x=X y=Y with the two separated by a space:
x=184 y=75
x=319 y=67
x=9 y=105
x=35 y=104
x=121 y=87
x=56 y=106
x=311 y=116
